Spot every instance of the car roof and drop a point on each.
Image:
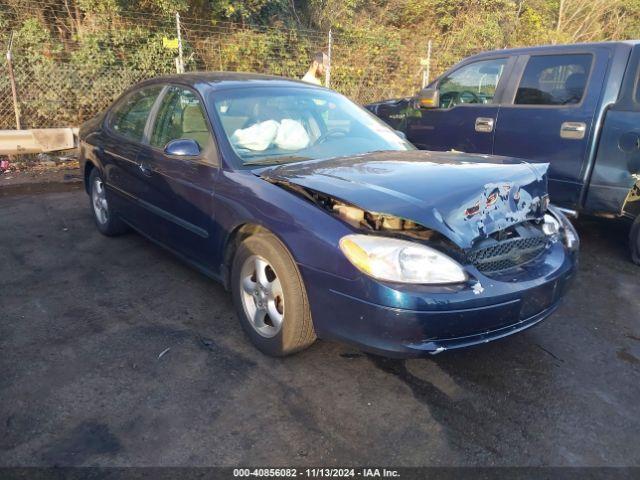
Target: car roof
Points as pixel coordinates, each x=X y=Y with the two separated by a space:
x=206 y=81
x=557 y=48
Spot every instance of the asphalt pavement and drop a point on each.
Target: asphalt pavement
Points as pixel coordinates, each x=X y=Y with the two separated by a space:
x=113 y=352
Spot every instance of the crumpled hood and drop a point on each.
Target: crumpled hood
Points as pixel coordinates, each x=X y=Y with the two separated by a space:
x=463 y=196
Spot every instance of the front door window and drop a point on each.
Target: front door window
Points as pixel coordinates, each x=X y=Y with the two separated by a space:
x=180 y=116
x=473 y=83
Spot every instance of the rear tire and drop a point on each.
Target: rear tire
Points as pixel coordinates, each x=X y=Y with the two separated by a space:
x=270 y=298
x=634 y=241
x=106 y=221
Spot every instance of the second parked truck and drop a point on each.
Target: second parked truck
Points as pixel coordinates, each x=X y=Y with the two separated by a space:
x=575 y=106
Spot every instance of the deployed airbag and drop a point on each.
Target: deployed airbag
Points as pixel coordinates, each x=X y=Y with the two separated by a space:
x=286 y=135
x=257 y=137
x=291 y=135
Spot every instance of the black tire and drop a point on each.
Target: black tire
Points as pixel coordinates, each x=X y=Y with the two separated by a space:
x=296 y=328
x=634 y=241
x=110 y=224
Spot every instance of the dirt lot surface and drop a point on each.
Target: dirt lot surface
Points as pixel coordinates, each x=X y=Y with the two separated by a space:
x=84 y=320
x=38 y=174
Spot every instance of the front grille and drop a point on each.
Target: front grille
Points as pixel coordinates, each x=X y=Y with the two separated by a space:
x=505 y=254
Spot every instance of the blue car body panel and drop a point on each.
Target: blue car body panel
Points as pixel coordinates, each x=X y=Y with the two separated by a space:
x=194 y=208
x=443 y=130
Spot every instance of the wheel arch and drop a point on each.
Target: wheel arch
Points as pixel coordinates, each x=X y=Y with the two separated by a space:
x=237 y=235
x=232 y=241
x=88 y=168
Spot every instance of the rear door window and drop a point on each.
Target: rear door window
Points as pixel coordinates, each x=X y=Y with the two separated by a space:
x=473 y=83
x=129 y=117
x=554 y=80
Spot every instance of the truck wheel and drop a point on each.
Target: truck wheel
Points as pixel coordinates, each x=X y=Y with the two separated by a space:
x=269 y=297
x=106 y=221
x=634 y=241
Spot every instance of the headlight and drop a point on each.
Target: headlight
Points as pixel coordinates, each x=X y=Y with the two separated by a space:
x=571 y=239
x=551 y=225
x=569 y=235
x=402 y=261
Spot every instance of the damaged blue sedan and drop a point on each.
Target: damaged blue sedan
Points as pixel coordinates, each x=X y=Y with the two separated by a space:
x=322 y=221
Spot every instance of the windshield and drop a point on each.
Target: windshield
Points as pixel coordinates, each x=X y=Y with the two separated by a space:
x=280 y=125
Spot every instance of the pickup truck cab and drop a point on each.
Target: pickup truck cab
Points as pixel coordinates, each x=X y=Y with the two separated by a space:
x=574 y=106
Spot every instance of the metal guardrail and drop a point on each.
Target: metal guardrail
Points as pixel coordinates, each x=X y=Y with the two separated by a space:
x=40 y=140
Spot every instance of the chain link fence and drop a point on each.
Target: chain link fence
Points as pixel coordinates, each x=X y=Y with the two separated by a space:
x=58 y=95
x=7 y=117
x=64 y=86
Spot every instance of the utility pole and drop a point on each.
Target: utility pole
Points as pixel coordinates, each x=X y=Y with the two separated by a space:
x=426 y=71
x=327 y=71
x=559 y=22
x=180 y=62
x=12 y=79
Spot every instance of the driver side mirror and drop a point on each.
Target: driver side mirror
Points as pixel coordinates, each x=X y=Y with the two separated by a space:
x=182 y=147
x=428 y=98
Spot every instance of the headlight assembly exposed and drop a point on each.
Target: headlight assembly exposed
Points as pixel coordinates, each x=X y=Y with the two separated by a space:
x=551 y=225
x=569 y=235
x=396 y=260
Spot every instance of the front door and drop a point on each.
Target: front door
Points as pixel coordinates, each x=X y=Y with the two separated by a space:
x=466 y=115
x=180 y=190
x=551 y=117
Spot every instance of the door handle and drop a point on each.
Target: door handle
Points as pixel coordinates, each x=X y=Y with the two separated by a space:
x=573 y=130
x=145 y=169
x=484 y=124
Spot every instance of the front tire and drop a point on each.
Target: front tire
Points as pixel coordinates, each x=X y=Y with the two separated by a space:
x=634 y=241
x=107 y=223
x=270 y=298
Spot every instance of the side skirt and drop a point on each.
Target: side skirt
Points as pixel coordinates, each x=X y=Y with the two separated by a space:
x=192 y=263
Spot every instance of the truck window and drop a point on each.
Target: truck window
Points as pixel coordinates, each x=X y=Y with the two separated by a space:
x=473 y=83
x=554 y=80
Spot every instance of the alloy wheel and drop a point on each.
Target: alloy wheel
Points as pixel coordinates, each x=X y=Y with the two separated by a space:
x=99 y=201
x=262 y=296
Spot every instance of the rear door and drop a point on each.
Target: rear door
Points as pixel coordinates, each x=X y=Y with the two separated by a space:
x=124 y=134
x=467 y=110
x=549 y=116
x=180 y=190
x=616 y=168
